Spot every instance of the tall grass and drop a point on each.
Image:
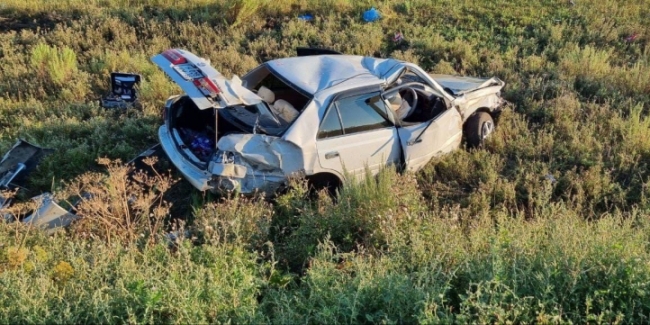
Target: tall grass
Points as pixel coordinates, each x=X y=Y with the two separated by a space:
x=432 y=267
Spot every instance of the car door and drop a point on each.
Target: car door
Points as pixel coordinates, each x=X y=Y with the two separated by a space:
x=355 y=133
x=424 y=140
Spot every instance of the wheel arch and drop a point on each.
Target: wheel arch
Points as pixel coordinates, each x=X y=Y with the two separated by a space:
x=325 y=178
x=483 y=109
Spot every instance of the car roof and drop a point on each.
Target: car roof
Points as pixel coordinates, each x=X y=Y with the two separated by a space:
x=313 y=74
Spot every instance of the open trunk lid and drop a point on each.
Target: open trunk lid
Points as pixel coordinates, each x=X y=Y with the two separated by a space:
x=201 y=82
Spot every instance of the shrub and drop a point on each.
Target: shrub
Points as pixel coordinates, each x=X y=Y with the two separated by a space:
x=57 y=64
x=124 y=206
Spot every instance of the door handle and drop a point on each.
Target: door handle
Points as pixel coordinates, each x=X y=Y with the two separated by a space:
x=331 y=155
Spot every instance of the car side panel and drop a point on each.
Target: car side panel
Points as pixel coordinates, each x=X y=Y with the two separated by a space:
x=354 y=152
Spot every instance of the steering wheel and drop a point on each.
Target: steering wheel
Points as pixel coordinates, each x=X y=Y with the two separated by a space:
x=411 y=97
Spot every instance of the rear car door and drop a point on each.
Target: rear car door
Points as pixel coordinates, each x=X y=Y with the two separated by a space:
x=355 y=133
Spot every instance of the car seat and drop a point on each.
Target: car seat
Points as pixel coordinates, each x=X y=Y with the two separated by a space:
x=400 y=106
x=280 y=107
x=266 y=94
x=285 y=110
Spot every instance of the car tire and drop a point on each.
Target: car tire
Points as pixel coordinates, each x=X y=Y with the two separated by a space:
x=478 y=128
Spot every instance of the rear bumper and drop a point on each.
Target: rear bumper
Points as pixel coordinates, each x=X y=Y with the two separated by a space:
x=199 y=178
x=219 y=177
x=250 y=185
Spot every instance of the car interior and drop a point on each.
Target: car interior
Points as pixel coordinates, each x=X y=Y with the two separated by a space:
x=426 y=106
x=283 y=100
x=421 y=105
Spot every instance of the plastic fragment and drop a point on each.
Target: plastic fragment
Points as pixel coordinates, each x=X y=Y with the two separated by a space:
x=371 y=15
x=399 y=37
x=551 y=178
x=306 y=17
x=632 y=37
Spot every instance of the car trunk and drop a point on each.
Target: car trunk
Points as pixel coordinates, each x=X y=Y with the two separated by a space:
x=195 y=128
x=191 y=118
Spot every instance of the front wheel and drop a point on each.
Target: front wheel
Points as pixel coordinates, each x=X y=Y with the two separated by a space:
x=478 y=128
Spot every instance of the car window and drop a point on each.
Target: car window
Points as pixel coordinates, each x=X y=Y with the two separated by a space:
x=410 y=76
x=377 y=103
x=362 y=113
x=331 y=126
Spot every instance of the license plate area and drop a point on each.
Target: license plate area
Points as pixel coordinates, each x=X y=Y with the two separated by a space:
x=188 y=71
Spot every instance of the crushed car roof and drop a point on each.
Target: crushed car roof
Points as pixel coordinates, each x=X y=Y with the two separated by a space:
x=315 y=73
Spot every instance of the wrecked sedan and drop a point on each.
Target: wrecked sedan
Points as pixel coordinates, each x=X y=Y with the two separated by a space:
x=323 y=117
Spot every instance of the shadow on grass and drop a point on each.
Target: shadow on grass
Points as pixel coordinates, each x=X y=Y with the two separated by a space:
x=14 y=20
x=77 y=143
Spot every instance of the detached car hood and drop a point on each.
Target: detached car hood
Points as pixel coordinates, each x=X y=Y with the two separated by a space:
x=201 y=82
x=460 y=85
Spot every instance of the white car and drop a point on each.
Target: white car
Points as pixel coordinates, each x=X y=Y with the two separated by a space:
x=317 y=116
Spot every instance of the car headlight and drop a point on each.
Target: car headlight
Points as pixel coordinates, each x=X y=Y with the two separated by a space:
x=224 y=157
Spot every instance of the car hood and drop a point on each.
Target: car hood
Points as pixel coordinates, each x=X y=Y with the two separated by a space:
x=201 y=82
x=460 y=85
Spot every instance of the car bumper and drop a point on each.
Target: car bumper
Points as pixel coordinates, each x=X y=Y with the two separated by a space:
x=249 y=185
x=219 y=177
x=199 y=178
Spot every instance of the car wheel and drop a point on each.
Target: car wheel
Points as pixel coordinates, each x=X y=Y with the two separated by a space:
x=478 y=128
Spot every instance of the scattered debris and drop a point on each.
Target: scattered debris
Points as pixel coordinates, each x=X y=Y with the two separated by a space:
x=16 y=164
x=174 y=237
x=49 y=215
x=139 y=163
x=306 y=51
x=632 y=37
x=371 y=15
x=398 y=38
x=306 y=17
x=551 y=178
x=123 y=91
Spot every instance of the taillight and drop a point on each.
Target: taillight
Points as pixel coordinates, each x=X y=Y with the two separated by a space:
x=206 y=86
x=174 y=56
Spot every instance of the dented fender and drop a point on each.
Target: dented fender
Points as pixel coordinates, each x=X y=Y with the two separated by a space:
x=261 y=163
x=263 y=153
x=468 y=103
x=228 y=170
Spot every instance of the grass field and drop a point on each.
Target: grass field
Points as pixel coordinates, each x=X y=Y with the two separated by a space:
x=549 y=222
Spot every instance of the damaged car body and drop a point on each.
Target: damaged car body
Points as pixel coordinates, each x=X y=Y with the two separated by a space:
x=15 y=166
x=319 y=116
